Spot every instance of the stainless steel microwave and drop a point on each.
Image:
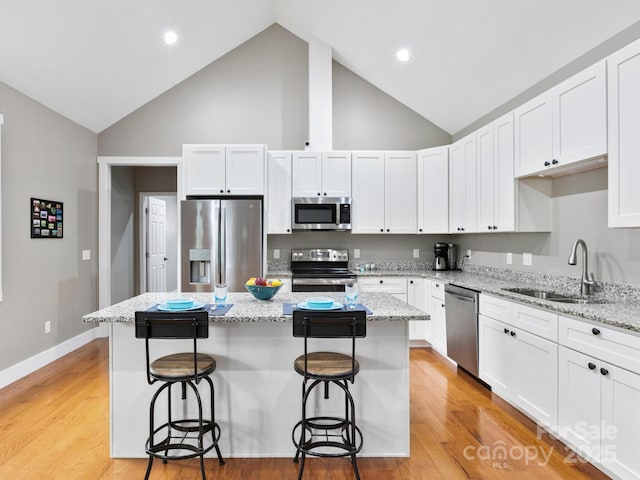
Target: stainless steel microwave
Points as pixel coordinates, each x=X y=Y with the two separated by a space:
x=321 y=213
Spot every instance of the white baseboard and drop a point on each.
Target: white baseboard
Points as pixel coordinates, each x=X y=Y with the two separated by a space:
x=30 y=365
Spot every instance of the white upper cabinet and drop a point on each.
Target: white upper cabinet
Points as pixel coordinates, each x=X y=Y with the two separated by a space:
x=400 y=192
x=624 y=137
x=433 y=190
x=580 y=116
x=279 y=192
x=563 y=126
x=496 y=185
x=224 y=169
x=326 y=174
x=336 y=174
x=534 y=135
x=384 y=192
x=367 y=210
x=462 y=186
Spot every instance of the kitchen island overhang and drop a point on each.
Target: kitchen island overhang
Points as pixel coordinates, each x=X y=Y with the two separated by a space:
x=258 y=394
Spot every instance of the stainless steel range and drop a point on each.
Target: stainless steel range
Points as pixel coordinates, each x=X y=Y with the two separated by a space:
x=320 y=270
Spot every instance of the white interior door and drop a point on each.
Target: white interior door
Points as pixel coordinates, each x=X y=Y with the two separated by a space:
x=156 y=245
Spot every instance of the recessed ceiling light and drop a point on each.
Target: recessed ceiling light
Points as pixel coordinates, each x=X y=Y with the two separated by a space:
x=403 y=55
x=170 y=37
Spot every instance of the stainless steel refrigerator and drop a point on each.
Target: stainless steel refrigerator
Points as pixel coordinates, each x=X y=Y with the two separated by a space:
x=221 y=242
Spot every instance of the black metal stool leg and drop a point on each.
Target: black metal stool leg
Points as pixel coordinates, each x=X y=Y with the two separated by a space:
x=355 y=466
x=149 y=465
x=301 y=466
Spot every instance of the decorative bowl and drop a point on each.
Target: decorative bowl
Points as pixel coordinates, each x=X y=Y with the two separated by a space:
x=180 y=303
x=320 y=302
x=262 y=292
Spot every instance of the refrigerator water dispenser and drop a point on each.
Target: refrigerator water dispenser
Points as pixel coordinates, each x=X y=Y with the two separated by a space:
x=199 y=266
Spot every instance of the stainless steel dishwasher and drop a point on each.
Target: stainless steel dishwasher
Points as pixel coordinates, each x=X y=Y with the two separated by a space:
x=461 y=307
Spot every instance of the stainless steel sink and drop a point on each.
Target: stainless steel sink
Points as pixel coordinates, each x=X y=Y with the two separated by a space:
x=553 y=296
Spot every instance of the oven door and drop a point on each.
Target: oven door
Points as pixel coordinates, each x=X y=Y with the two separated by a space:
x=317 y=284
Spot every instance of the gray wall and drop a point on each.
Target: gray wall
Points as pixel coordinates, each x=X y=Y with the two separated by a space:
x=579 y=211
x=603 y=50
x=365 y=118
x=45 y=155
x=123 y=226
x=258 y=93
x=579 y=204
x=373 y=248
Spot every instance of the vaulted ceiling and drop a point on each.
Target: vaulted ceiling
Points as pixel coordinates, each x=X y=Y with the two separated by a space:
x=95 y=61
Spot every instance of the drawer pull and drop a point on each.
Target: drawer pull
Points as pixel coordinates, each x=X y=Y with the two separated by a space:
x=506 y=330
x=592 y=366
x=381 y=281
x=604 y=371
x=595 y=331
x=513 y=334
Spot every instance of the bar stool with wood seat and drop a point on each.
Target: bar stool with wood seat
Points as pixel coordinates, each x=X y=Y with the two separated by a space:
x=182 y=438
x=328 y=436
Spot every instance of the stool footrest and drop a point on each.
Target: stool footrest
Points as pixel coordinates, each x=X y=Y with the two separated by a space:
x=318 y=437
x=182 y=440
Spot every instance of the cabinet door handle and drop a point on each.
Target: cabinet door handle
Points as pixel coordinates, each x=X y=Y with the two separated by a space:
x=318 y=193
x=221 y=191
x=546 y=164
x=381 y=281
x=495 y=227
x=419 y=229
x=604 y=371
x=513 y=334
x=489 y=227
x=288 y=230
x=592 y=366
x=554 y=161
x=443 y=305
x=506 y=330
x=382 y=229
x=325 y=194
x=228 y=191
x=595 y=331
x=411 y=282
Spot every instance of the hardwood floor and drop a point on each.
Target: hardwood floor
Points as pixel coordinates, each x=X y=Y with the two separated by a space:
x=54 y=424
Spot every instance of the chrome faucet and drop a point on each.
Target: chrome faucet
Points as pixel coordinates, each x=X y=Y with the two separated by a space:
x=588 y=281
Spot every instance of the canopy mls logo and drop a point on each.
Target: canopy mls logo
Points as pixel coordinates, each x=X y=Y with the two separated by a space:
x=499 y=454
x=600 y=439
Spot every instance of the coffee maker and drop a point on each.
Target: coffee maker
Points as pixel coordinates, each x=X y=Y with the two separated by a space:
x=440 y=256
x=445 y=256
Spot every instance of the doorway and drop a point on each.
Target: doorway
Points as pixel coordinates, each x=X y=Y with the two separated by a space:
x=105 y=165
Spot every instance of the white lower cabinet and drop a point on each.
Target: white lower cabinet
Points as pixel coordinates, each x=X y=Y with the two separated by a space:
x=436 y=333
x=417 y=296
x=412 y=291
x=519 y=366
x=598 y=400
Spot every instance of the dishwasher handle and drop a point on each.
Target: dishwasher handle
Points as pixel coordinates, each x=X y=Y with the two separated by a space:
x=464 y=299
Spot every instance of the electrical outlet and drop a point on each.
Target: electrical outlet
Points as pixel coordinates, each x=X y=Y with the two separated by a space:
x=356 y=253
x=47 y=326
x=416 y=253
x=509 y=258
x=276 y=253
x=86 y=254
x=527 y=259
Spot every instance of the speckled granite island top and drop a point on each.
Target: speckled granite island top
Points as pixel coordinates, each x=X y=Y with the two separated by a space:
x=246 y=308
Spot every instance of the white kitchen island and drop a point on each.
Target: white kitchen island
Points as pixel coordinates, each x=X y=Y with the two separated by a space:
x=258 y=394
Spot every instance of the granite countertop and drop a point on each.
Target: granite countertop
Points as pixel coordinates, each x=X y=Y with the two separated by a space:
x=617 y=305
x=246 y=308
